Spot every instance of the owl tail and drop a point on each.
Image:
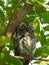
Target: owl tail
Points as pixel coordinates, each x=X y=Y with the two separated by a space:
x=26 y=63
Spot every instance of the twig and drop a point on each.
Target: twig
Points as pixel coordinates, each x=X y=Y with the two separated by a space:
x=40 y=59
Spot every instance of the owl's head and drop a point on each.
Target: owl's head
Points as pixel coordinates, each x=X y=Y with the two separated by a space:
x=25 y=29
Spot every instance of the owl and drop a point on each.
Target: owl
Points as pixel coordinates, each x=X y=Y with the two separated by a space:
x=24 y=42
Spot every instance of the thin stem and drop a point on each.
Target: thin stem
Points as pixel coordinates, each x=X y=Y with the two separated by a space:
x=40 y=3
x=40 y=59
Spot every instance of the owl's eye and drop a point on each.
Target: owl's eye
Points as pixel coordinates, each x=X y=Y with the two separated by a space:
x=24 y=40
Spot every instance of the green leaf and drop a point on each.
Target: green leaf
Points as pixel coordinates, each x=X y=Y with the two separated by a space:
x=37 y=26
x=42 y=38
x=7 y=59
x=45 y=51
x=40 y=3
x=2 y=16
x=38 y=52
x=12 y=60
x=46 y=28
x=31 y=16
x=45 y=17
x=8 y=12
x=39 y=9
x=29 y=19
x=4 y=40
x=37 y=36
x=1 y=3
x=42 y=51
x=47 y=41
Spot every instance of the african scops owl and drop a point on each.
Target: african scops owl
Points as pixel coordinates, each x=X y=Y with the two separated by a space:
x=25 y=40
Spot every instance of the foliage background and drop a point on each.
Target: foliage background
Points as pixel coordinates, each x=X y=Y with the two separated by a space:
x=38 y=16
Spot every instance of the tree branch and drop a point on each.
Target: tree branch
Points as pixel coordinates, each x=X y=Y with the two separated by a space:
x=40 y=59
x=13 y=12
x=17 y=19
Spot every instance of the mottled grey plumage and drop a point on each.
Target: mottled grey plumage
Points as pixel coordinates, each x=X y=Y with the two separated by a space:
x=25 y=41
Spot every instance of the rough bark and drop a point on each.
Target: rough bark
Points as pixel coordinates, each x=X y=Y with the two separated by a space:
x=18 y=18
